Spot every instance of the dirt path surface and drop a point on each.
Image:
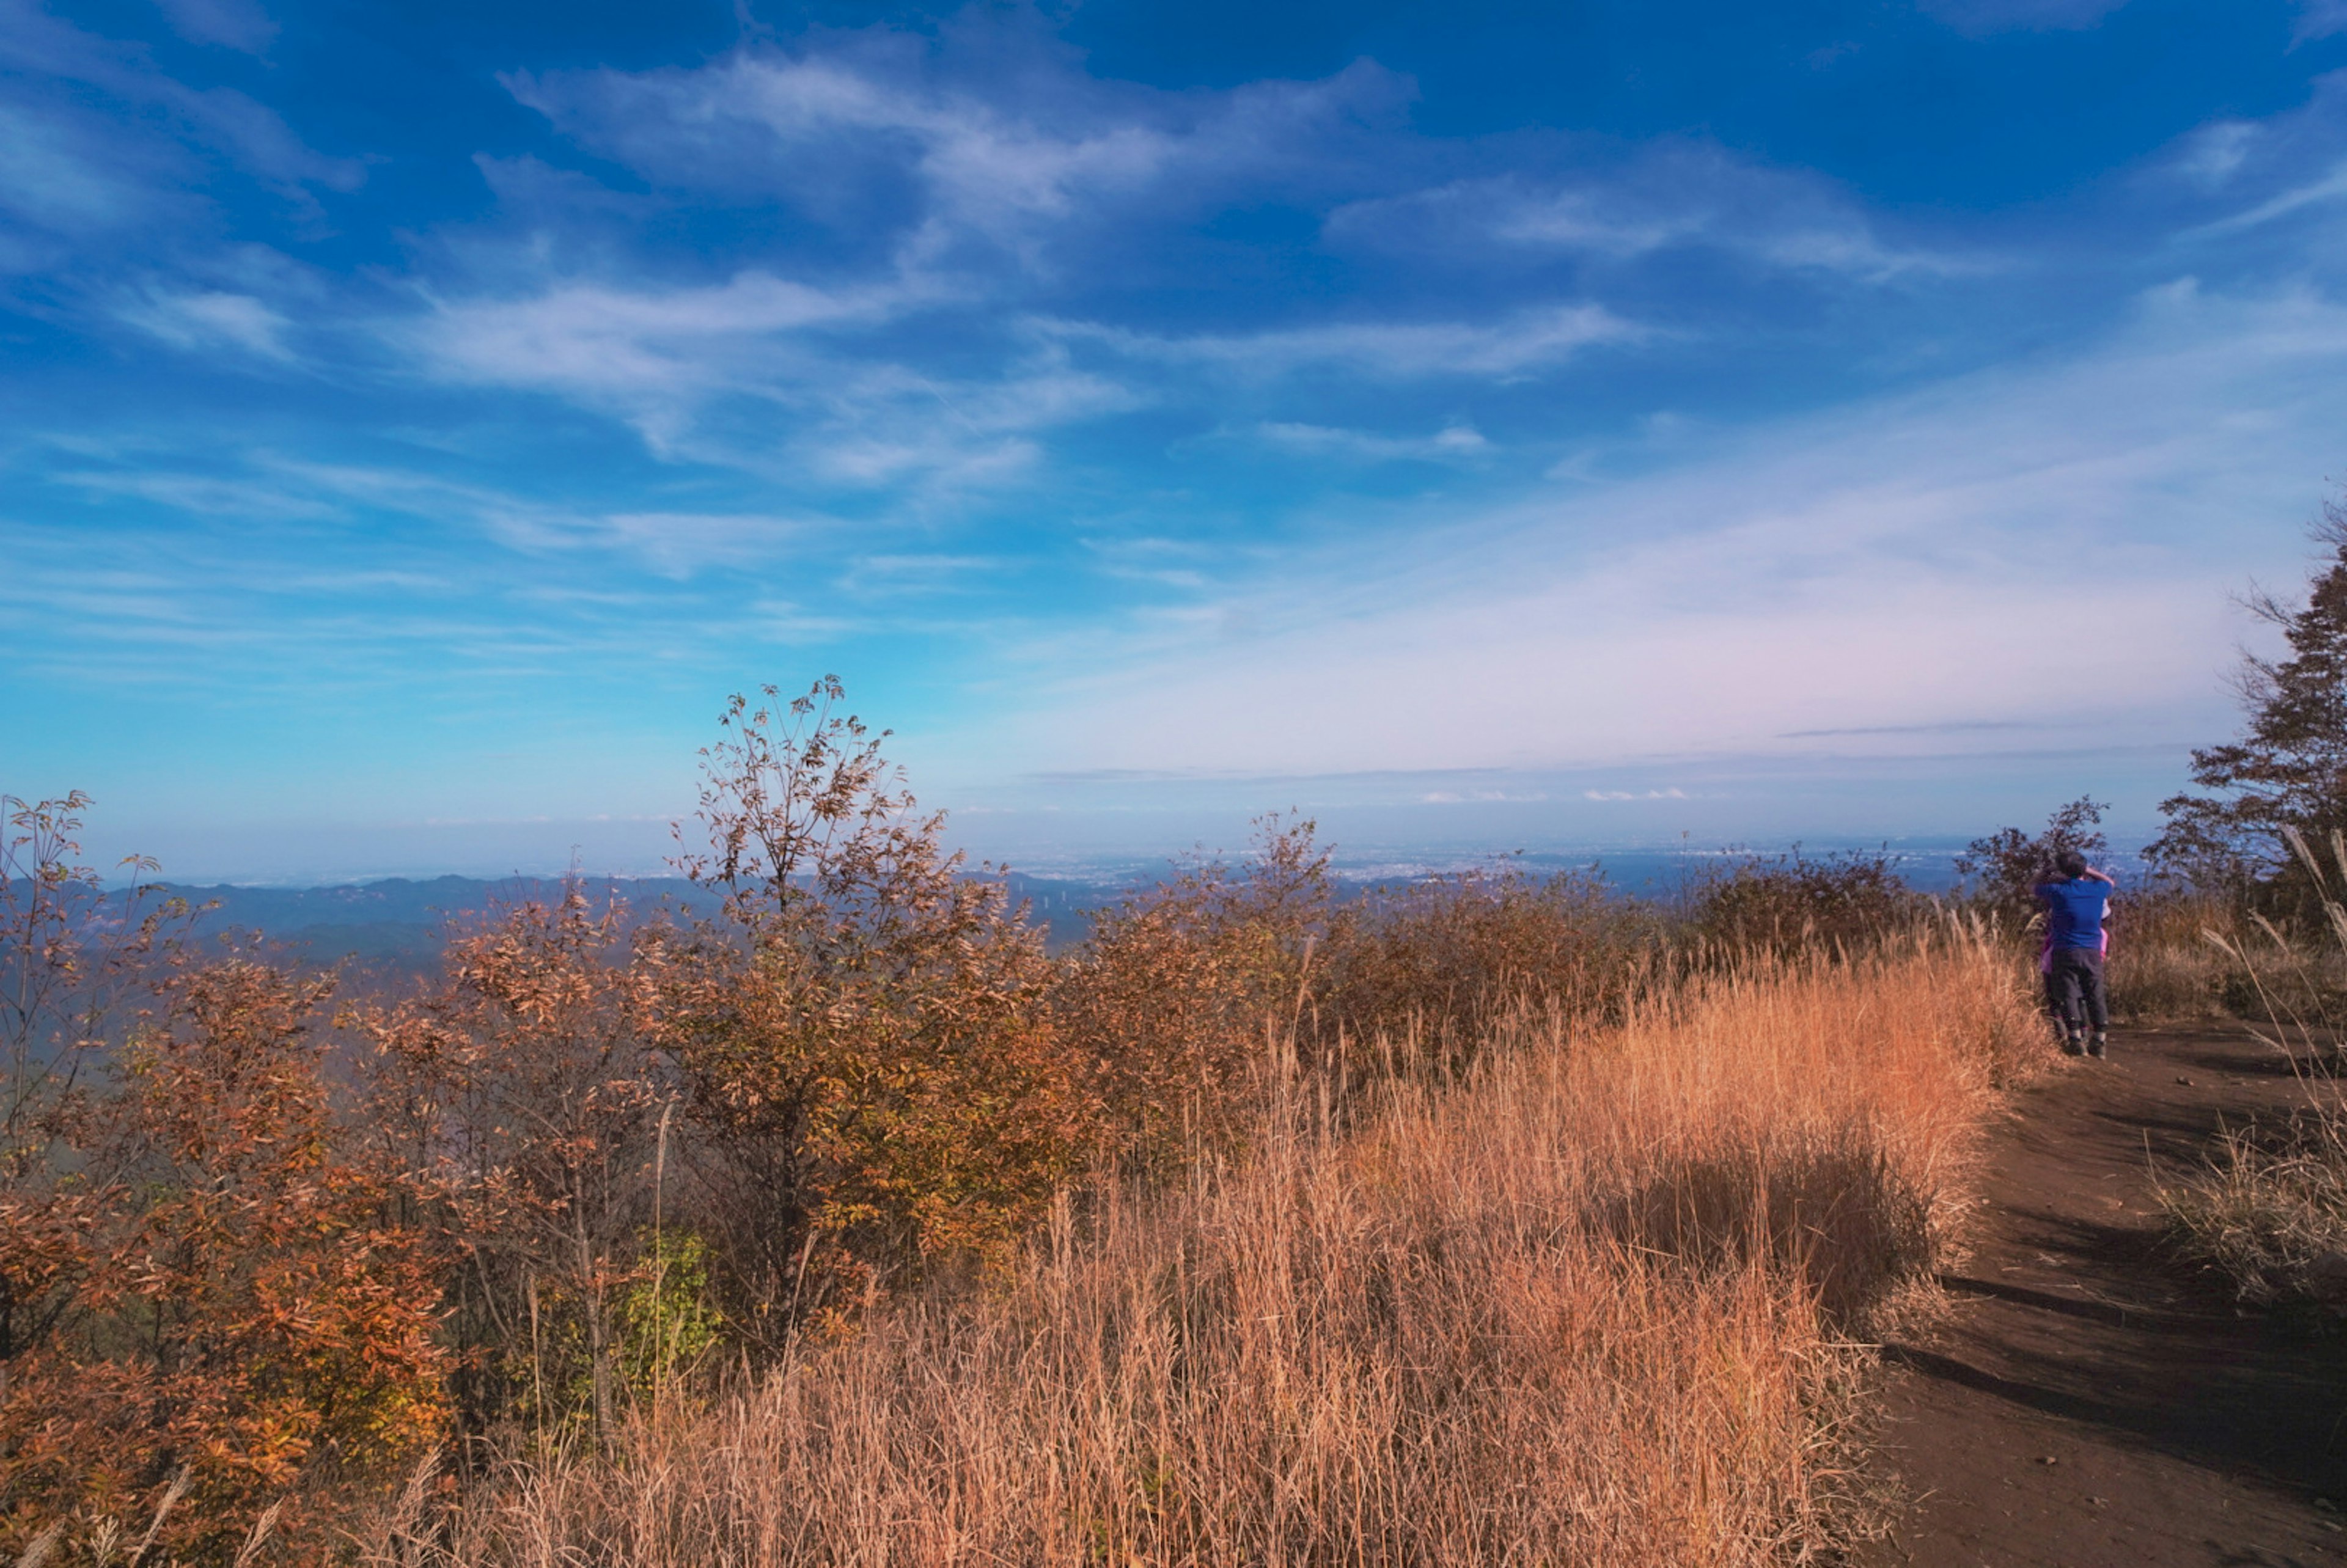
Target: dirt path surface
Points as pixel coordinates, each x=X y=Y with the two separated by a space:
x=2088 y=1401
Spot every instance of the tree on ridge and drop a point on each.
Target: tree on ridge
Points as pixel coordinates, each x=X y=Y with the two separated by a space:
x=2289 y=770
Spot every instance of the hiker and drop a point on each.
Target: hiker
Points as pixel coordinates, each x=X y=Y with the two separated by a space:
x=2073 y=960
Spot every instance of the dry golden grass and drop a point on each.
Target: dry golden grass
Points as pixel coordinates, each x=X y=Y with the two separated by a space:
x=2270 y=1211
x=1592 y=1303
x=2163 y=965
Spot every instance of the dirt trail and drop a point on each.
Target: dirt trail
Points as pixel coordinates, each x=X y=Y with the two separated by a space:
x=2089 y=1402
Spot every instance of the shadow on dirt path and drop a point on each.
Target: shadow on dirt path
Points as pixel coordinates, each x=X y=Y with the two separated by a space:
x=2089 y=1401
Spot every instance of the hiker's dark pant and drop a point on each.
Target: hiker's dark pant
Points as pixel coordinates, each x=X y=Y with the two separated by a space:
x=2073 y=984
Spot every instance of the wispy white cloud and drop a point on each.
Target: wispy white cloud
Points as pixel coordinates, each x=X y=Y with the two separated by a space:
x=205 y=495
x=115 y=180
x=1483 y=797
x=674 y=544
x=982 y=166
x=1451 y=444
x=2323 y=190
x=58 y=178
x=218 y=123
x=1984 y=16
x=995 y=132
x=2321 y=19
x=1667 y=195
x=2214 y=151
x=240 y=25
x=265 y=486
x=2209 y=156
x=2026 y=545
x=1513 y=345
x=793 y=370
x=209 y=319
x=649 y=354
x=2238 y=176
x=679 y=544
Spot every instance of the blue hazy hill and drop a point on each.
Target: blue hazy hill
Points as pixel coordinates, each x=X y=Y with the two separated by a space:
x=398 y=924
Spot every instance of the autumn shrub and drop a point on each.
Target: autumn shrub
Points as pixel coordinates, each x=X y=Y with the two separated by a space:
x=216 y=1303
x=529 y=1096
x=876 y=1088
x=1790 y=904
x=1174 y=1003
x=76 y=957
x=1999 y=874
x=1593 y=1302
x=1186 y=992
x=1441 y=961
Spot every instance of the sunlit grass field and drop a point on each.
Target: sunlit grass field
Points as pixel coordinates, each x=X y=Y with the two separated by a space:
x=1601 y=1297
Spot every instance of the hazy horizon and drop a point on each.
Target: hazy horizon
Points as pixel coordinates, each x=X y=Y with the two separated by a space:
x=1367 y=835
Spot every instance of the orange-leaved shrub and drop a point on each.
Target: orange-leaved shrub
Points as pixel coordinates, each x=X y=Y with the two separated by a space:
x=1177 y=996
x=876 y=1085
x=219 y=1310
x=1441 y=962
x=1185 y=992
x=73 y=953
x=527 y=1096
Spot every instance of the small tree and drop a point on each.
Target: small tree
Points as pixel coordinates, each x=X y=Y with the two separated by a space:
x=873 y=1074
x=2289 y=771
x=71 y=950
x=75 y=958
x=1443 y=959
x=2003 y=870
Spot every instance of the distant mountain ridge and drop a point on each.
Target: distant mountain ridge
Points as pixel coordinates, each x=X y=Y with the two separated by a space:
x=402 y=923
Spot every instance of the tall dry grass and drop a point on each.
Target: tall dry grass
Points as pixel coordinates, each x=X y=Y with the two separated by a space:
x=2162 y=964
x=1595 y=1301
x=2270 y=1210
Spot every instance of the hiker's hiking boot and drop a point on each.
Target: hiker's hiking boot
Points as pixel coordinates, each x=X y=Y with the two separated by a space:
x=2100 y=1049
x=2073 y=1045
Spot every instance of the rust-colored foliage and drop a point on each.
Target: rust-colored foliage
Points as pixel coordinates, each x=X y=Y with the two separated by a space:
x=876 y=1086
x=529 y=1095
x=71 y=951
x=1439 y=963
x=1188 y=991
x=226 y=1299
x=1176 y=998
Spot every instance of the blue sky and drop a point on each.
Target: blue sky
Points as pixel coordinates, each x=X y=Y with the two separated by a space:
x=1483 y=425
